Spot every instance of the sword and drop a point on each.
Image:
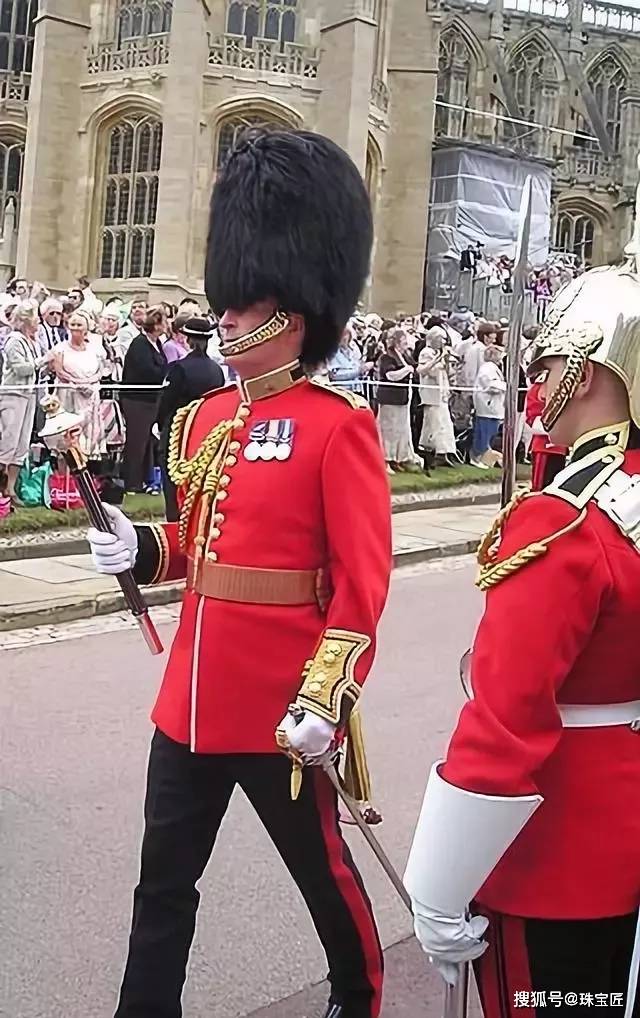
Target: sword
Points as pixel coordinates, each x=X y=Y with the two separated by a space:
x=514 y=340
x=456 y=998
x=370 y=837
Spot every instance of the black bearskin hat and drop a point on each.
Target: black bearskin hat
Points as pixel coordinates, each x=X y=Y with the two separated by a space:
x=290 y=220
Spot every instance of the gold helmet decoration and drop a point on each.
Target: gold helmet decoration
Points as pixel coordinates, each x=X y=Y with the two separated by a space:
x=595 y=317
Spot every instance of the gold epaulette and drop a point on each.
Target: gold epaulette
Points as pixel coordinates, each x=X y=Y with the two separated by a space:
x=578 y=483
x=354 y=399
x=491 y=571
x=231 y=387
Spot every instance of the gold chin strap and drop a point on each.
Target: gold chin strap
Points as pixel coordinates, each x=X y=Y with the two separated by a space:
x=580 y=350
x=268 y=330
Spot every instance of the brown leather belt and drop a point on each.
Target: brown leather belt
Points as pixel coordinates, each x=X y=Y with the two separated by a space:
x=257 y=586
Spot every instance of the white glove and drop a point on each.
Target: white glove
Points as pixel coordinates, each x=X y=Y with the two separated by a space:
x=114 y=553
x=449 y=940
x=312 y=738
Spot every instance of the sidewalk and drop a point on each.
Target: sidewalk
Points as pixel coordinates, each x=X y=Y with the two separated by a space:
x=61 y=588
x=40 y=543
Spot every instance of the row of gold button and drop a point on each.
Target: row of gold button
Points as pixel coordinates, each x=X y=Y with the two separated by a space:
x=222 y=493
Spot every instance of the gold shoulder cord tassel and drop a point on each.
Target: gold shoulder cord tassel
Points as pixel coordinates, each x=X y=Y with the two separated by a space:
x=296 y=764
x=491 y=571
x=197 y=475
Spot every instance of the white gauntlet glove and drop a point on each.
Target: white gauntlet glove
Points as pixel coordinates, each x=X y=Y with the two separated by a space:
x=449 y=940
x=114 y=553
x=312 y=737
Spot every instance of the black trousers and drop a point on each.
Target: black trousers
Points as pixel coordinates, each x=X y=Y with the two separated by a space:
x=138 y=455
x=187 y=797
x=544 y=967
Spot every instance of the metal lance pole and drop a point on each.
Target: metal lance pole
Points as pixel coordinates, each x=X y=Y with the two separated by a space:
x=457 y=997
x=60 y=433
x=514 y=339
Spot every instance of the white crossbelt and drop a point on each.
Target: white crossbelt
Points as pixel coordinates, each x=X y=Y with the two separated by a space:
x=599 y=715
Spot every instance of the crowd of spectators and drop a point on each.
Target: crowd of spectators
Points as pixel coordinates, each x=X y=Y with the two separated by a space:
x=436 y=381
x=437 y=384
x=109 y=363
x=496 y=273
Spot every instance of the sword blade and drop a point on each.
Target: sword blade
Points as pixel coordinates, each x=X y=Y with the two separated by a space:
x=370 y=837
x=456 y=997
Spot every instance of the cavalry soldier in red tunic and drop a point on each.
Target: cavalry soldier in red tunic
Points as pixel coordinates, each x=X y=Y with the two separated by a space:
x=526 y=857
x=284 y=541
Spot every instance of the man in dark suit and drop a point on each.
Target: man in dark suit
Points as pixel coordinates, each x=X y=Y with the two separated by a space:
x=144 y=371
x=187 y=379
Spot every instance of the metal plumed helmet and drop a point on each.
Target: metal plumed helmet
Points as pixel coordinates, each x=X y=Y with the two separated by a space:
x=595 y=317
x=290 y=221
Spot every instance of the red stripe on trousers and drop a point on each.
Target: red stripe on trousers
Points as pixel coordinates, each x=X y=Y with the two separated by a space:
x=503 y=969
x=348 y=887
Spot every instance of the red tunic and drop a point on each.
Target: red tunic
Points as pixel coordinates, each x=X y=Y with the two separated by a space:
x=235 y=667
x=562 y=629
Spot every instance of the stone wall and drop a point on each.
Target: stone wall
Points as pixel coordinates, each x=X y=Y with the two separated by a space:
x=363 y=71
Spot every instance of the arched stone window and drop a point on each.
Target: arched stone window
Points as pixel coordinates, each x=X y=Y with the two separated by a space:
x=575 y=232
x=455 y=64
x=263 y=19
x=234 y=126
x=11 y=165
x=531 y=67
x=130 y=197
x=608 y=82
x=534 y=77
x=142 y=18
x=16 y=34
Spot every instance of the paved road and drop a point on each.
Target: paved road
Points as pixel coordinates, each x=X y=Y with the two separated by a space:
x=73 y=748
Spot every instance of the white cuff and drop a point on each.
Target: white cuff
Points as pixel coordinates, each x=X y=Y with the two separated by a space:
x=459 y=839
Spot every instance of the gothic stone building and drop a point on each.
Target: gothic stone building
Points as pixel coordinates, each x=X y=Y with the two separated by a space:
x=570 y=65
x=115 y=114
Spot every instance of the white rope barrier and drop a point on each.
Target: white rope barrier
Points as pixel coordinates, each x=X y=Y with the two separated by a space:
x=355 y=386
x=533 y=124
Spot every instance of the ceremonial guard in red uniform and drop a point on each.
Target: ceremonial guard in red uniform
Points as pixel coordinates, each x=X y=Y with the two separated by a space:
x=284 y=541
x=526 y=857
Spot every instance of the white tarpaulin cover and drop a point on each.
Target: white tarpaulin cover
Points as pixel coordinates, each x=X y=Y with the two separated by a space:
x=475 y=196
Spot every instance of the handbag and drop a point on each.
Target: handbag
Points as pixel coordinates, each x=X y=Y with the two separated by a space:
x=63 y=491
x=32 y=483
